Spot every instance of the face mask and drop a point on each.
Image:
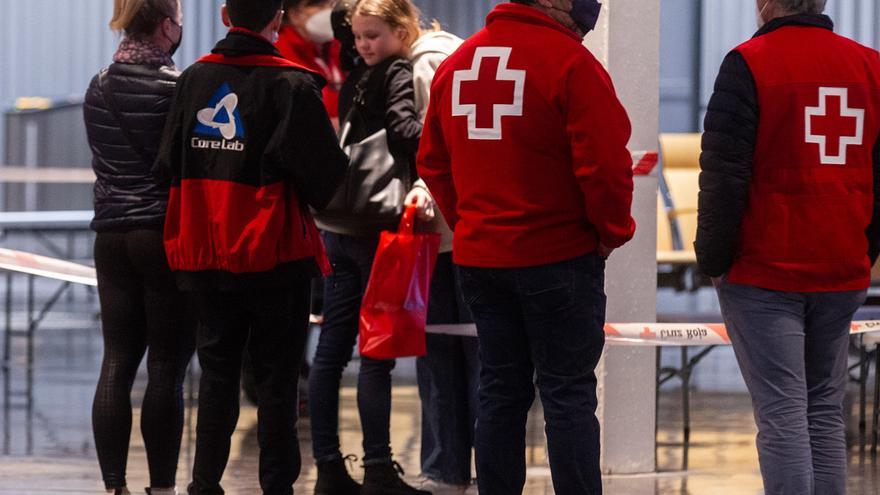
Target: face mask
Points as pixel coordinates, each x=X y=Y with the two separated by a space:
x=275 y=37
x=176 y=44
x=320 y=28
x=585 y=13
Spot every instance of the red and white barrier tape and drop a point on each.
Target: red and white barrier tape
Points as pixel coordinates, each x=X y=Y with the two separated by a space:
x=679 y=334
x=645 y=162
x=42 y=266
x=658 y=334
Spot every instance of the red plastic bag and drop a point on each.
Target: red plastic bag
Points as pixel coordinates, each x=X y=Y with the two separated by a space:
x=395 y=306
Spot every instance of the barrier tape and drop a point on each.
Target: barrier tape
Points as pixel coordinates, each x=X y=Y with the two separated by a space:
x=679 y=334
x=658 y=334
x=42 y=266
x=638 y=334
x=645 y=162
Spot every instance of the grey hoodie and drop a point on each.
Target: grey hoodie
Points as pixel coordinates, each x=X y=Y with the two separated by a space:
x=428 y=52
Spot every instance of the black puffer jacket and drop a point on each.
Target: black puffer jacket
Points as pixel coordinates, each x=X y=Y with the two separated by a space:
x=731 y=131
x=126 y=194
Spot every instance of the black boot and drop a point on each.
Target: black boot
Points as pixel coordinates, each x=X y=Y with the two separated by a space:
x=385 y=479
x=333 y=478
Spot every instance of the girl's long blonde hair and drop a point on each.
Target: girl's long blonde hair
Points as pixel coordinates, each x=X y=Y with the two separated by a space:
x=141 y=17
x=397 y=13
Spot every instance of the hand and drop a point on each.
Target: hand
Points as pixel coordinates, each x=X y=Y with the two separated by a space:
x=424 y=203
x=605 y=251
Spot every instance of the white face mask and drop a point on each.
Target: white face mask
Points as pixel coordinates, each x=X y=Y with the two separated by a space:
x=319 y=27
x=761 y=20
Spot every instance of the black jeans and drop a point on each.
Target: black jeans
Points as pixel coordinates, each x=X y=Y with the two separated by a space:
x=546 y=319
x=140 y=309
x=448 y=378
x=272 y=324
x=352 y=259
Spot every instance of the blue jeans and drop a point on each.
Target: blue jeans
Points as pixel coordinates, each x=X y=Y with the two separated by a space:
x=792 y=351
x=352 y=260
x=546 y=319
x=448 y=380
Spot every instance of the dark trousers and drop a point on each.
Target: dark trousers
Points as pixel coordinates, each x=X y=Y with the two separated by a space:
x=792 y=351
x=272 y=324
x=141 y=309
x=448 y=378
x=547 y=320
x=352 y=259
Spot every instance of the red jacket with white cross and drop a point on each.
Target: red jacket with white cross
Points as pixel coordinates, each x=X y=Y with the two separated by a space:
x=524 y=146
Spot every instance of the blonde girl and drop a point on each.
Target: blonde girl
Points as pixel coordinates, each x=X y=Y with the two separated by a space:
x=377 y=96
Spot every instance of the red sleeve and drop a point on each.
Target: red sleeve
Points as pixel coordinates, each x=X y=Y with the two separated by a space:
x=599 y=131
x=434 y=164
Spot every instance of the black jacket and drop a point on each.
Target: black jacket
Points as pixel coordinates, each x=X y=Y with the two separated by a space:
x=389 y=102
x=731 y=129
x=126 y=194
x=247 y=148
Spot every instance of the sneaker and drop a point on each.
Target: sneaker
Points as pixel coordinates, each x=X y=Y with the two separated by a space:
x=430 y=484
x=333 y=478
x=386 y=479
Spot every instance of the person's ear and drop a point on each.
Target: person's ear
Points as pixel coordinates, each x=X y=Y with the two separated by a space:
x=278 y=22
x=224 y=15
x=545 y=3
x=402 y=34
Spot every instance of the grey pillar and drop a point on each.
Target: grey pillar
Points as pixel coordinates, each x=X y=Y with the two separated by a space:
x=627 y=41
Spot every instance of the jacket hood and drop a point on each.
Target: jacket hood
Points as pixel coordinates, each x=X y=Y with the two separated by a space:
x=436 y=42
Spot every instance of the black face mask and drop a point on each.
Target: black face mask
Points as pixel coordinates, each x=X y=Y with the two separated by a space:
x=176 y=45
x=585 y=13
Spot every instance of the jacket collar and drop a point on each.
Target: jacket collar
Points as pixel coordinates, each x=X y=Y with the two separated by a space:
x=248 y=49
x=530 y=15
x=804 y=20
x=242 y=42
x=290 y=38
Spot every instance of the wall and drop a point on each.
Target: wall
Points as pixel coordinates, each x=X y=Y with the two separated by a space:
x=728 y=23
x=52 y=48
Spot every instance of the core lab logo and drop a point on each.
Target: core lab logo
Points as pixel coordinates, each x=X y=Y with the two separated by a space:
x=221 y=119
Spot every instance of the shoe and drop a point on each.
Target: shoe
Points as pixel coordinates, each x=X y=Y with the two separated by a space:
x=161 y=491
x=385 y=479
x=119 y=491
x=333 y=478
x=429 y=484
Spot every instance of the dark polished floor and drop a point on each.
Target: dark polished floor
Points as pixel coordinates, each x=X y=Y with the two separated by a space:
x=51 y=451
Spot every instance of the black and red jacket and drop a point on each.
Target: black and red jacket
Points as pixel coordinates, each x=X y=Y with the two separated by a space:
x=248 y=148
x=790 y=172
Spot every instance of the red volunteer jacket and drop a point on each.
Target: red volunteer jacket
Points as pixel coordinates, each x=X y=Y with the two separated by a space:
x=811 y=195
x=323 y=60
x=524 y=145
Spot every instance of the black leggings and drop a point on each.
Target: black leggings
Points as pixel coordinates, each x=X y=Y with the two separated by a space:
x=141 y=309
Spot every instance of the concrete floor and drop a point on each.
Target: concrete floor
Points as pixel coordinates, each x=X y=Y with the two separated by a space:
x=51 y=451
